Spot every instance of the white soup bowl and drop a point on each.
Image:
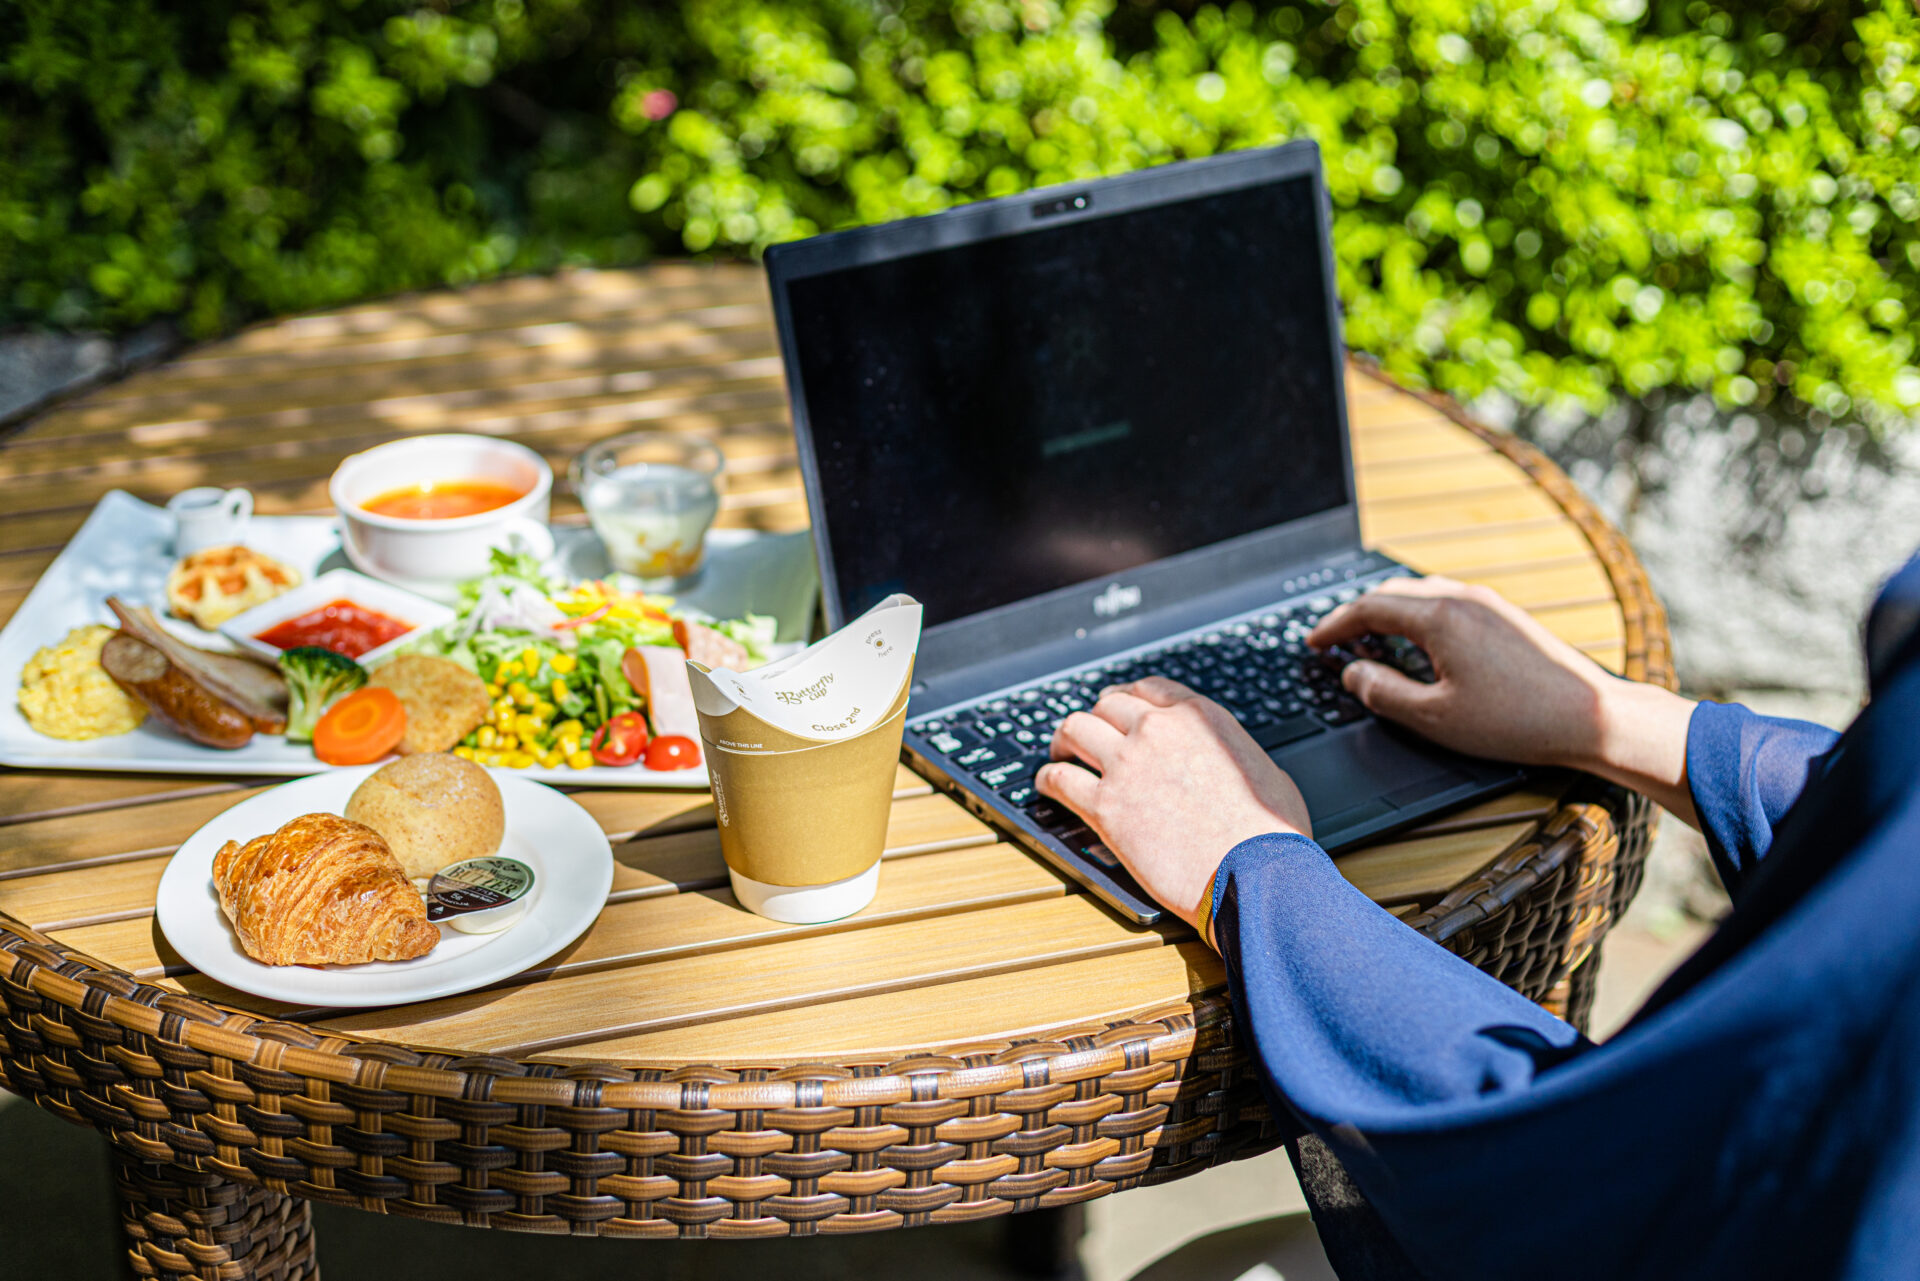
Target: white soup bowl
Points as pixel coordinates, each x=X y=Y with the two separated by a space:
x=433 y=557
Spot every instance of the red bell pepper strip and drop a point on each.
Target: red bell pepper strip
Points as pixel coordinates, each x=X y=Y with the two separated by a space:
x=592 y=616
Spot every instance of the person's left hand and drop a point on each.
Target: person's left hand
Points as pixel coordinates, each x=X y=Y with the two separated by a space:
x=1179 y=782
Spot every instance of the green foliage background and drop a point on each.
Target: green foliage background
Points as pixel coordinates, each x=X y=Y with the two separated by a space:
x=1561 y=199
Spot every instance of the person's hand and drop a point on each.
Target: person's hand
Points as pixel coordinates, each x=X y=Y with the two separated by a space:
x=1509 y=689
x=1170 y=782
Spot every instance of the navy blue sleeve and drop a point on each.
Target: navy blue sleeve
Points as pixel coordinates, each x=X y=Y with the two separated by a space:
x=1352 y=1013
x=1745 y=772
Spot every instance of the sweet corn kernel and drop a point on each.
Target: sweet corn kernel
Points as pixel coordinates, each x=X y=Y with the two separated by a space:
x=494 y=690
x=543 y=709
x=520 y=760
x=464 y=752
x=568 y=744
x=520 y=694
x=488 y=736
x=553 y=759
x=503 y=704
x=558 y=689
x=563 y=663
x=570 y=728
x=527 y=727
x=507 y=742
x=506 y=671
x=579 y=760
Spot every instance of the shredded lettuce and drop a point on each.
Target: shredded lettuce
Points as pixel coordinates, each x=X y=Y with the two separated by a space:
x=756 y=632
x=514 y=613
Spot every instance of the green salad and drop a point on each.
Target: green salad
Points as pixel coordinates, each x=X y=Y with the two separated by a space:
x=552 y=657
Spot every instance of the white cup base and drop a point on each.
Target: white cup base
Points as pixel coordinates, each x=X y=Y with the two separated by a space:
x=807 y=904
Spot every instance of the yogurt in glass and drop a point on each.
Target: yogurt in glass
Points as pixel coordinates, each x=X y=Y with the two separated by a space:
x=652 y=496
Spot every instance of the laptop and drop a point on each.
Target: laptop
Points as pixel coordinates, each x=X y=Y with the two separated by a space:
x=1099 y=431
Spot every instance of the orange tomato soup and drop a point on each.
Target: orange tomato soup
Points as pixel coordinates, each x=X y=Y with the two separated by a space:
x=443 y=500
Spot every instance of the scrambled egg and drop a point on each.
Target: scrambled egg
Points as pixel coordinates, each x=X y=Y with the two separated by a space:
x=65 y=693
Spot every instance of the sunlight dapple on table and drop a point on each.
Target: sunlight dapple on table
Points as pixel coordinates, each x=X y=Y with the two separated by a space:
x=984 y=1039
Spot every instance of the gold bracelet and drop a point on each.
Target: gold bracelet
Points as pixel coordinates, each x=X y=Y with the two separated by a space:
x=1204 y=918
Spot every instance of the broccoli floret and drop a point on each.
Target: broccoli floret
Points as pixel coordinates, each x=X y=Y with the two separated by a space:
x=316 y=679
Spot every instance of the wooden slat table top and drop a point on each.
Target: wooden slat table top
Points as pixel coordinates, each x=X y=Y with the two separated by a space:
x=970 y=939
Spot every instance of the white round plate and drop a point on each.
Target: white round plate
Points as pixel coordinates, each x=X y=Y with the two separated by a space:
x=572 y=867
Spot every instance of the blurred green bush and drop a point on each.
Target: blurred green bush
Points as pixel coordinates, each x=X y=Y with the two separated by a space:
x=1561 y=199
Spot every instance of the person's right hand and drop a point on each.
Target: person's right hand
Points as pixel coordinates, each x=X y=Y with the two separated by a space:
x=1509 y=689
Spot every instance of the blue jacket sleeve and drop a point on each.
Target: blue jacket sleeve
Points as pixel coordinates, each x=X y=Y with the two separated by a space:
x=1352 y=1013
x=1745 y=772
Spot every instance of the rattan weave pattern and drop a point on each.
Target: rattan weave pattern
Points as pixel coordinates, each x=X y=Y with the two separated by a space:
x=227 y=1124
x=195 y=1097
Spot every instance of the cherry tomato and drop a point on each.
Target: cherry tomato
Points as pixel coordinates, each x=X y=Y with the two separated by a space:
x=673 y=751
x=621 y=740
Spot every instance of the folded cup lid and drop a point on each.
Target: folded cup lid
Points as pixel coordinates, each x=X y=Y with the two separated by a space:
x=837 y=688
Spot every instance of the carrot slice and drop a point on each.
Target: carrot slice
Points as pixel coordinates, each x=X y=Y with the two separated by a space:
x=362 y=727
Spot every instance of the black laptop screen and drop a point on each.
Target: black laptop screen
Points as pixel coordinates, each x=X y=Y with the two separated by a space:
x=1000 y=419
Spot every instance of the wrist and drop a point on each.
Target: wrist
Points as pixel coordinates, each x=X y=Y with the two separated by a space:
x=1641 y=741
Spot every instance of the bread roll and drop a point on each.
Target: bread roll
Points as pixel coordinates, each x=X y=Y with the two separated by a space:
x=432 y=810
x=321 y=891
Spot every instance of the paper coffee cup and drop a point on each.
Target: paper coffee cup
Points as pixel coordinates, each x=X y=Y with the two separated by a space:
x=802 y=755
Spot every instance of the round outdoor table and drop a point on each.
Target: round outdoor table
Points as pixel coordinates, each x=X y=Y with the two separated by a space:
x=984 y=1038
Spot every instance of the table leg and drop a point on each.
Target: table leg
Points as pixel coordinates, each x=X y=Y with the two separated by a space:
x=1046 y=1243
x=184 y=1225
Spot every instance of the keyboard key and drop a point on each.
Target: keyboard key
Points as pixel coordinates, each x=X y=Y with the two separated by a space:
x=1051 y=814
x=1286 y=730
x=1100 y=854
x=1021 y=794
x=953 y=739
x=1008 y=772
x=1344 y=711
x=978 y=758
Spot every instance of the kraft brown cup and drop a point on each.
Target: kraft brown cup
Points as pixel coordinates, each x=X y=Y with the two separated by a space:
x=802 y=755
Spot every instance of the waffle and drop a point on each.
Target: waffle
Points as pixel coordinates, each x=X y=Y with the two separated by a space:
x=211 y=586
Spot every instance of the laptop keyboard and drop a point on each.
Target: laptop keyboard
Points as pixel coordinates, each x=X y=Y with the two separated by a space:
x=1259 y=667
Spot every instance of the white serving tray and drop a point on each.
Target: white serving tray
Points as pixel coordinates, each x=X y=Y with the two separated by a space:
x=124 y=550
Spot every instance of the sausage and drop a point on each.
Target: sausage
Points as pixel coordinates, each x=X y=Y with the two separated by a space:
x=176 y=700
x=242 y=683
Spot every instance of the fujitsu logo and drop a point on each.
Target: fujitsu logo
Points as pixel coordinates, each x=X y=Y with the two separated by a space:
x=1116 y=600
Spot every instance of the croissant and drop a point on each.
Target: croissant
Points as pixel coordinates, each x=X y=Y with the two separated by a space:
x=323 y=890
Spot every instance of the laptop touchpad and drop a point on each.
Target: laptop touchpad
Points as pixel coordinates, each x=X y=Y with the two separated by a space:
x=1339 y=772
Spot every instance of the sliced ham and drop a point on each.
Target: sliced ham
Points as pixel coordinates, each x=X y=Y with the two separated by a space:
x=256 y=690
x=710 y=648
x=658 y=673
